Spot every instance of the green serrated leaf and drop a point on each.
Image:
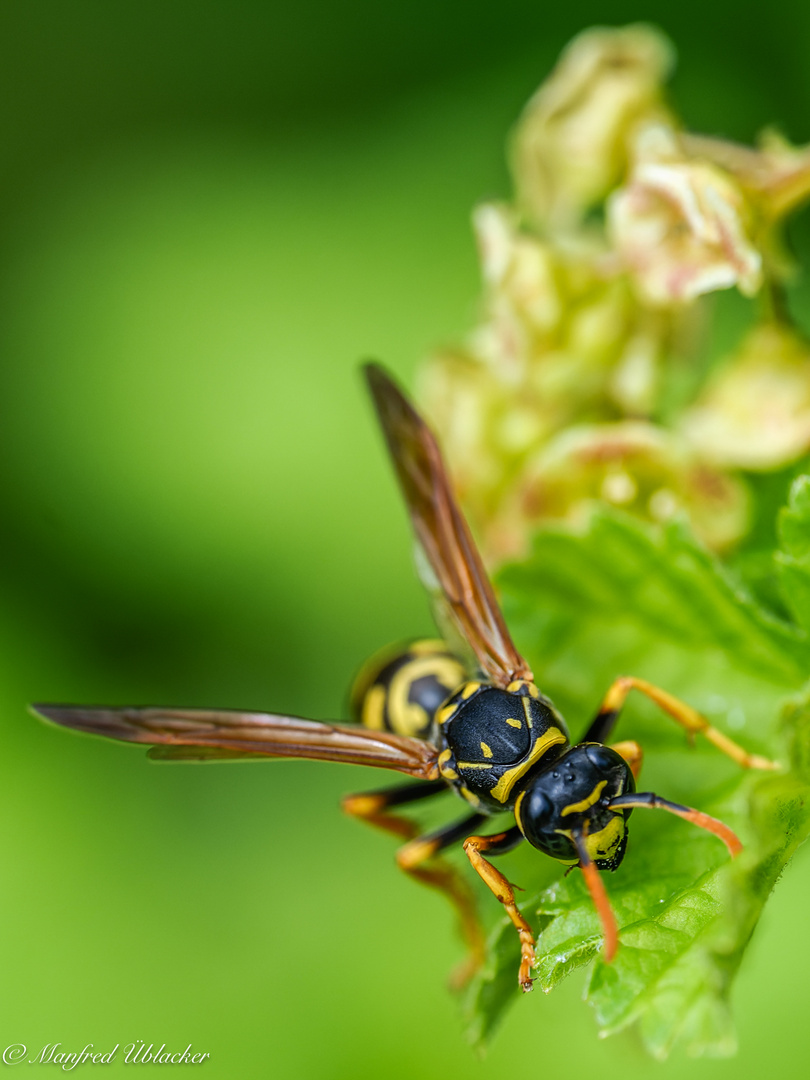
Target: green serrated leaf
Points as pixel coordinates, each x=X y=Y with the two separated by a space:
x=793 y=521
x=626 y=598
x=794 y=577
x=665 y=581
x=649 y=884
x=675 y=969
x=793 y=561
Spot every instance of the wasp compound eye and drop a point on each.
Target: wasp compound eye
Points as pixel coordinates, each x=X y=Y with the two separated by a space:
x=604 y=760
x=537 y=816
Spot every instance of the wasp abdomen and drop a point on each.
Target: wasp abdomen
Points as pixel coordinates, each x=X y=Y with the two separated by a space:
x=401 y=688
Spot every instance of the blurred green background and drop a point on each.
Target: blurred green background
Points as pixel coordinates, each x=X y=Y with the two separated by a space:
x=210 y=213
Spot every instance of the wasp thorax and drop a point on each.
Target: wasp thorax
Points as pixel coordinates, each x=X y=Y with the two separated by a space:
x=491 y=738
x=572 y=796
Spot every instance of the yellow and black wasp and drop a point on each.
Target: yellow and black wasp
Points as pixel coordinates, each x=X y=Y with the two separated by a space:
x=479 y=727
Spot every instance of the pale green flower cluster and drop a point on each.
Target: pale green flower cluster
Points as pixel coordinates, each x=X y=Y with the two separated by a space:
x=594 y=280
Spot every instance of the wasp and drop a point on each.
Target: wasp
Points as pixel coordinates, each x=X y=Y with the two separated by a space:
x=477 y=725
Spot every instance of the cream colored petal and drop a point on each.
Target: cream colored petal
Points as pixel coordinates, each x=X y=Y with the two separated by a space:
x=680 y=226
x=570 y=146
x=776 y=175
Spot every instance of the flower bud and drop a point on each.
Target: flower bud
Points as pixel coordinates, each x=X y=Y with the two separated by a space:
x=523 y=297
x=556 y=317
x=681 y=225
x=570 y=146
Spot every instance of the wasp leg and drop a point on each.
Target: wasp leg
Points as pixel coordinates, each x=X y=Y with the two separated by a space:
x=684 y=714
x=499 y=845
x=632 y=754
x=440 y=875
x=371 y=805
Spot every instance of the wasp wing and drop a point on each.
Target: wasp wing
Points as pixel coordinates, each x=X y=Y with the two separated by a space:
x=225 y=733
x=443 y=534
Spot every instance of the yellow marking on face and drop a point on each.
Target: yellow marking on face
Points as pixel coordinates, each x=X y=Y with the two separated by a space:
x=527 y=708
x=577 y=807
x=469 y=690
x=373 y=715
x=514 y=723
x=447 y=771
x=602 y=844
x=486 y=750
x=552 y=737
x=568 y=862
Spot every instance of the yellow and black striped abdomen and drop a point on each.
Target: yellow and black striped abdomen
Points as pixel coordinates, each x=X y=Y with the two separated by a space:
x=401 y=688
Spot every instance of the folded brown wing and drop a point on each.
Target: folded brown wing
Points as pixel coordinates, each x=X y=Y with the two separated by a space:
x=230 y=734
x=444 y=535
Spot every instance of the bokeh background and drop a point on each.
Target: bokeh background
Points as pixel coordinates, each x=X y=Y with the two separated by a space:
x=209 y=213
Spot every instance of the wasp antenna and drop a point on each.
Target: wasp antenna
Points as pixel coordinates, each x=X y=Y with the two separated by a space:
x=599 y=896
x=697 y=817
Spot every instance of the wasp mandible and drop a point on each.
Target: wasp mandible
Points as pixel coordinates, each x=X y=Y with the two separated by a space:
x=481 y=728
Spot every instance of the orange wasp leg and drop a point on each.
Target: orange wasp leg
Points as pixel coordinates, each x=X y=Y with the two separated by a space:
x=632 y=754
x=689 y=718
x=599 y=898
x=371 y=806
x=497 y=883
x=418 y=858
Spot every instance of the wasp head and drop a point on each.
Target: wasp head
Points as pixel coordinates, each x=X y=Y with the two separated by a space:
x=570 y=798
